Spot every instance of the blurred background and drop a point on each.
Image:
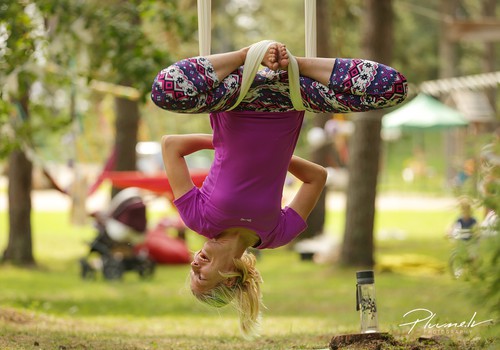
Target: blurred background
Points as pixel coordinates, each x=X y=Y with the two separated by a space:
x=77 y=126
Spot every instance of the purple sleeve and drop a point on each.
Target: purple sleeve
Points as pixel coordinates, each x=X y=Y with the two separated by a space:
x=290 y=226
x=190 y=206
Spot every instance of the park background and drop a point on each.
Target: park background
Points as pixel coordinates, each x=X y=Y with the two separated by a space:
x=89 y=68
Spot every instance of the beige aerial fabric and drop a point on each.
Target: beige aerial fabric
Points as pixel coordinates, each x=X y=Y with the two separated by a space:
x=257 y=51
x=310 y=27
x=252 y=63
x=204 y=26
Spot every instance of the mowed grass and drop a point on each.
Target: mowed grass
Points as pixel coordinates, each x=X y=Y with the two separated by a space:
x=51 y=307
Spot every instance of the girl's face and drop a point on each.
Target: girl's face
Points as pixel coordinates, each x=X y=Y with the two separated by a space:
x=207 y=265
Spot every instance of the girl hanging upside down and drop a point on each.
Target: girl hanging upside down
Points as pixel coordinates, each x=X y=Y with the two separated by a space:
x=239 y=204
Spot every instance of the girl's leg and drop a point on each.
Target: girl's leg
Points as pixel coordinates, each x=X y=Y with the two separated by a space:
x=349 y=85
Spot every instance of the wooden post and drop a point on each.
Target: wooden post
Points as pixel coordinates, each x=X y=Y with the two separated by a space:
x=447 y=64
x=489 y=60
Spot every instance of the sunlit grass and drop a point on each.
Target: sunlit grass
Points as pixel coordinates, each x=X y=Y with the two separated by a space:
x=306 y=303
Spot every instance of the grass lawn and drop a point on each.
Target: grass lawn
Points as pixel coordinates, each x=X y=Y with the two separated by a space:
x=50 y=307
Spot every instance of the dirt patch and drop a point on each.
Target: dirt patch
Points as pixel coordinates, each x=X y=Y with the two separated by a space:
x=385 y=341
x=31 y=319
x=15 y=316
x=366 y=341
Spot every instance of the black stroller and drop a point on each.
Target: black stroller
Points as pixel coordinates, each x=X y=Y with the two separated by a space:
x=117 y=247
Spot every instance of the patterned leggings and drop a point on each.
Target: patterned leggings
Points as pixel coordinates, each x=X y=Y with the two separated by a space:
x=191 y=86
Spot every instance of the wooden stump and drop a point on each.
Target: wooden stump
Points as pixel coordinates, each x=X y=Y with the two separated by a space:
x=343 y=340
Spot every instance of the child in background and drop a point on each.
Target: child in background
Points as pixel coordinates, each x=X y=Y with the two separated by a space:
x=464 y=225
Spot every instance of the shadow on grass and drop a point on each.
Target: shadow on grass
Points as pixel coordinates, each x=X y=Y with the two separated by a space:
x=27 y=330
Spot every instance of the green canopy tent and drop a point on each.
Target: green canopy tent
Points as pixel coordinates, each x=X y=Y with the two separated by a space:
x=424 y=112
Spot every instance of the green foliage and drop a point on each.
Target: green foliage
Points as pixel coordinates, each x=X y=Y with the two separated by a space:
x=5 y=131
x=417 y=25
x=479 y=259
x=36 y=91
x=485 y=272
x=51 y=49
x=127 y=42
x=476 y=261
x=124 y=52
x=20 y=34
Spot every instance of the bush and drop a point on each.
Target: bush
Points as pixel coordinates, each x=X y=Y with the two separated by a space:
x=477 y=259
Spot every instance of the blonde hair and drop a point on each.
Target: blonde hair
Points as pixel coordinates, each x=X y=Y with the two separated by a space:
x=465 y=205
x=244 y=294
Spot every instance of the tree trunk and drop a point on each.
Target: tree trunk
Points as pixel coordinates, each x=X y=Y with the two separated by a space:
x=358 y=244
x=127 y=125
x=127 y=121
x=323 y=27
x=447 y=48
x=19 y=250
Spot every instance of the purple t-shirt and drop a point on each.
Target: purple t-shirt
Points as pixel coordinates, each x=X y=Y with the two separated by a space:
x=244 y=186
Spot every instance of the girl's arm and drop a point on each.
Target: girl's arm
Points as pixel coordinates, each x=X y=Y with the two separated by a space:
x=205 y=84
x=313 y=177
x=174 y=148
x=349 y=85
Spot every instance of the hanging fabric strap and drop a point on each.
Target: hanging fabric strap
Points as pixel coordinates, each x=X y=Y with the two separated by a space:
x=257 y=51
x=204 y=26
x=310 y=27
x=252 y=63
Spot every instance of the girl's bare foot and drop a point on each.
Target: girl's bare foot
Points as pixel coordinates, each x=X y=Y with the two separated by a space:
x=282 y=57
x=270 y=59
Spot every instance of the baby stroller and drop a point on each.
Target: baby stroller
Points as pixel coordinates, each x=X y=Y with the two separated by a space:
x=120 y=231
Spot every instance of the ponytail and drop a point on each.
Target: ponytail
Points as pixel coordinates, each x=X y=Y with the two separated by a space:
x=244 y=294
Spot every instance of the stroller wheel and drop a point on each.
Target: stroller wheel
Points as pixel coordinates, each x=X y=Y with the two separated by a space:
x=112 y=269
x=146 y=268
x=87 y=272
